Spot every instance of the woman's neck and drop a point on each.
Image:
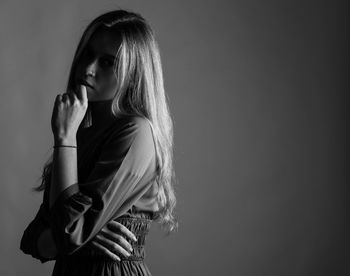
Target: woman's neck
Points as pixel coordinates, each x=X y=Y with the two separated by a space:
x=101 y=113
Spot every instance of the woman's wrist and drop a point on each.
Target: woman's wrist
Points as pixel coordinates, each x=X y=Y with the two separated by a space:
x=65 y=140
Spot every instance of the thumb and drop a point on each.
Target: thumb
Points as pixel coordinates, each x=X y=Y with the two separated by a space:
x=82 y=94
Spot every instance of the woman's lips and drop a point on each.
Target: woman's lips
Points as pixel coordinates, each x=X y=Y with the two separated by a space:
x=84 y=82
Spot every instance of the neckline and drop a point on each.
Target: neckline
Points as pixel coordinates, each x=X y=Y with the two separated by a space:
x=98 y=116
x=100 y=113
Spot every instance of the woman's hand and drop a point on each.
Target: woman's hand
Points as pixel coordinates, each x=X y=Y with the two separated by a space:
x=68 y=112
x=111 y=240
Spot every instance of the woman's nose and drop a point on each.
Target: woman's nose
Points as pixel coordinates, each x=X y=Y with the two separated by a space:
x=90 y=69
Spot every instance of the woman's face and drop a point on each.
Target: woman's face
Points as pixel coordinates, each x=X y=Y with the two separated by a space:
x=95 y=65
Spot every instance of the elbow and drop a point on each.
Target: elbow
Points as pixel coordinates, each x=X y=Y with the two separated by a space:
x=30 y=237
x=70 y=238
x=29 y=247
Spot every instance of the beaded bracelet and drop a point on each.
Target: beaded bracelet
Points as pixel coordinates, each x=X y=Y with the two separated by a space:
x=68 y=146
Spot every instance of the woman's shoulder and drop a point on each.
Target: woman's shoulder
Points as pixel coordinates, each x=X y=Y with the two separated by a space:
x=132 y=124
x=138 y=131
x=136 y=121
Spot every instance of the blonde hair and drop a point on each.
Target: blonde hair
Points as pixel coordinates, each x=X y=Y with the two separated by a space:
x=140 y=91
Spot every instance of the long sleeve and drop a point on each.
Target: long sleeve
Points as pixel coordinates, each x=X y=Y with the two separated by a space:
x=123 y=172
x=33 y=231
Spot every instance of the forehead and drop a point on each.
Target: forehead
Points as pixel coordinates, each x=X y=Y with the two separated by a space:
x=105 y=40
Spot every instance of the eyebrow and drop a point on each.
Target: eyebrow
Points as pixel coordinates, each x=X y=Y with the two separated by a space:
x=109 y=56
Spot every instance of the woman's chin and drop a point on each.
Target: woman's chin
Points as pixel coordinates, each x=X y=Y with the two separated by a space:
x=90 y=94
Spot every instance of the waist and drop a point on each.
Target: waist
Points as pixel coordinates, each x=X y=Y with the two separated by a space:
x=139 y=226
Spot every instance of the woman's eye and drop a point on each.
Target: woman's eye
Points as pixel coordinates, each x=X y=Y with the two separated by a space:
x=105 y=62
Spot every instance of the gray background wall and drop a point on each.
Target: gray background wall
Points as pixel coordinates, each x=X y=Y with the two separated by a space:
x=258 y=95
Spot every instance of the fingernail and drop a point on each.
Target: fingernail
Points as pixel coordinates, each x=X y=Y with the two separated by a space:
x=135 y=239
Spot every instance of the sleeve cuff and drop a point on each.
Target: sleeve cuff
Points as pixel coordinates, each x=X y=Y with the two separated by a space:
x=66 y=193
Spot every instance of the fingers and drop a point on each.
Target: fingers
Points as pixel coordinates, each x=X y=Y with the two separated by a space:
x=82 y=94
x=72 y=97
x=116 y=238
x=69 y=97
x=111 y=246
x=58 y=98
x=64 y=98
x=105 y=251
x=118 y=227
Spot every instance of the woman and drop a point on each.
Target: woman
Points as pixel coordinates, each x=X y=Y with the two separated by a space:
x=111 y=172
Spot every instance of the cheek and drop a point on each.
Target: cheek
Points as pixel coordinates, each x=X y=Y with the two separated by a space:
x=109 y=84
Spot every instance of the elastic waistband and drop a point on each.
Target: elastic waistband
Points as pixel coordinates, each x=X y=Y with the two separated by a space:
x=94 y=256
x=138 y=226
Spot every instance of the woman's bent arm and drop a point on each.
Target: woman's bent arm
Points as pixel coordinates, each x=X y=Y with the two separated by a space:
x=125 y=170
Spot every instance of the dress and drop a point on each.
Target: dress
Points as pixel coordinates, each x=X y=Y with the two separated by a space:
x=117 y=181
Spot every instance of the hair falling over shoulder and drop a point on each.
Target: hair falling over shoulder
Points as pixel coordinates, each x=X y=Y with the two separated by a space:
x=140 y=92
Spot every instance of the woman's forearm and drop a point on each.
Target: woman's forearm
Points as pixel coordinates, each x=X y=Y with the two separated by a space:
x=64 y=167
x=46 y=245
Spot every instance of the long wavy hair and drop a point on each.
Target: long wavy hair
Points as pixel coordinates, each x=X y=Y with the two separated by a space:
x=140 y=91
